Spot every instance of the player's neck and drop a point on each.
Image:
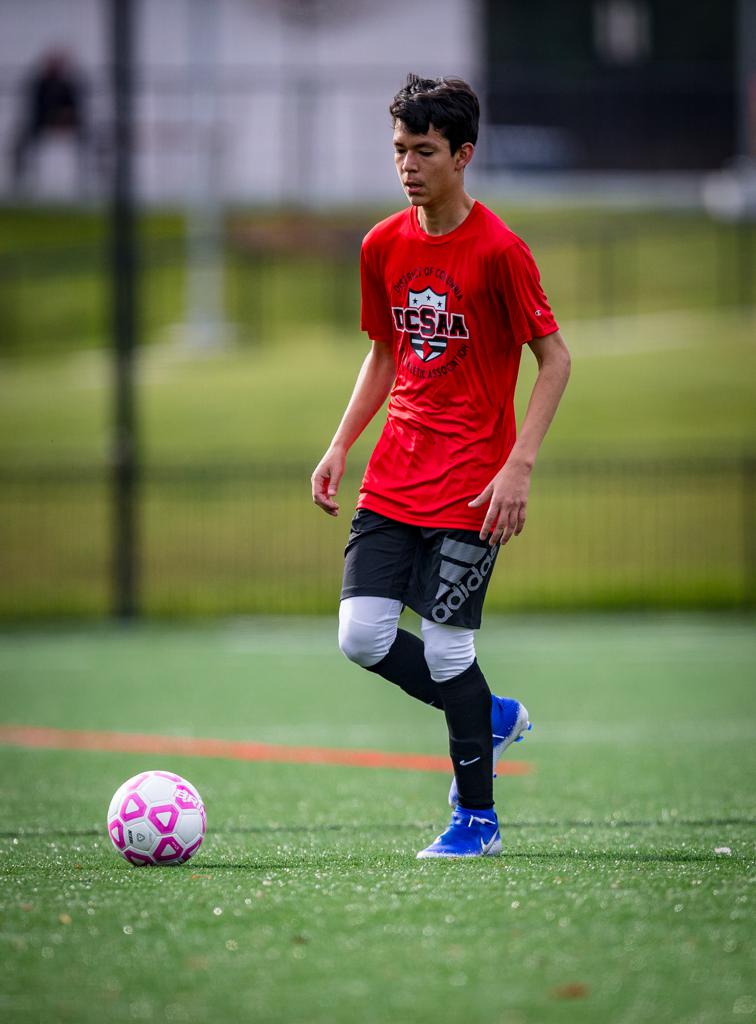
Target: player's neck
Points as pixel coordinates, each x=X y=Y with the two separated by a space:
x=441 y=217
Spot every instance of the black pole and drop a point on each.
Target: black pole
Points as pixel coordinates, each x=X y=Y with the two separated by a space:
x=749 y=531
x=123 y=269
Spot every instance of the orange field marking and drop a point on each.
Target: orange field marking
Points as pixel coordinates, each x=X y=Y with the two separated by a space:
x=190 y=746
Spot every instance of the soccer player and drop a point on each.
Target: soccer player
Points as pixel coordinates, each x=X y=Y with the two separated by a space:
x=449 y=297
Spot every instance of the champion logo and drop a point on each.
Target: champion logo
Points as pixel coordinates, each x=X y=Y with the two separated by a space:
x=464 y=568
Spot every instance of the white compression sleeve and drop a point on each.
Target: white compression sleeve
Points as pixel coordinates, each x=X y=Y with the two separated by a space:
x=367 y=628
x=449 y=650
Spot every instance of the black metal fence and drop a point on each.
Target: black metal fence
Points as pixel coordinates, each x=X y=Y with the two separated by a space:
x=233 y=539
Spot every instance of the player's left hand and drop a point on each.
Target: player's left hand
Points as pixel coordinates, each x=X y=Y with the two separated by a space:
x=507 y=497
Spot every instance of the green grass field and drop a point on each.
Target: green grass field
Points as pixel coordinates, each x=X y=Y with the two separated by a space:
x=306 y=902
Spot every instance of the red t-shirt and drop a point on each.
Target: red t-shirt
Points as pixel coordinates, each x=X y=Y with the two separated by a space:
x=457 y=309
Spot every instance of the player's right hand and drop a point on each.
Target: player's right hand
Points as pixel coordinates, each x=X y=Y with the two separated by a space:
x=326 y=479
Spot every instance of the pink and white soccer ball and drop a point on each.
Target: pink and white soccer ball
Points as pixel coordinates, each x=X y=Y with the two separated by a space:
x=156 y=818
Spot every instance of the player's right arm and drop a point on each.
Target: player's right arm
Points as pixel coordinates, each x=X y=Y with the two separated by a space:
x=374 y=382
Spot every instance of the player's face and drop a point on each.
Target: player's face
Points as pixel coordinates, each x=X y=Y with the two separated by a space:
x=427 y=169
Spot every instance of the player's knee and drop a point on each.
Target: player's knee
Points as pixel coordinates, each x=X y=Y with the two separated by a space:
x=363 y=642
x=449 y=650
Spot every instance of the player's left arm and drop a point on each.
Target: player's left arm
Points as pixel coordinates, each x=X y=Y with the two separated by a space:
x=507 y=494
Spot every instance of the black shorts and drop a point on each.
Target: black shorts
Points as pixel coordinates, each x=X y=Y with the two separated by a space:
x=441 y=574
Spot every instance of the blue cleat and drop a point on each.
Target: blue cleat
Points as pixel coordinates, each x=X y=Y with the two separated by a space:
x=509 y=722
x=470 y=834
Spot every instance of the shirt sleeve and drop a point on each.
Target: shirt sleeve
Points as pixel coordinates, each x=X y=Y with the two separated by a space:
x=375 y=316
x=526 y=304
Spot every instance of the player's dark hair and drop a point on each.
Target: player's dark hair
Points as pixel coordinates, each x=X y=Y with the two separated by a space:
x=449 y=104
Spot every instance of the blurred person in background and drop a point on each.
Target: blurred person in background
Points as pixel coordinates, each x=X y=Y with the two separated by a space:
x=449 y=298
x=53 y=104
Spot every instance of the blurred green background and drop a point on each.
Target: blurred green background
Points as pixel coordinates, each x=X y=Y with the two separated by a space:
x=643 y=496
x=250 y=142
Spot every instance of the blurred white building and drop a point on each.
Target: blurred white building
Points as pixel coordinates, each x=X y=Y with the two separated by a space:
x=259 y=100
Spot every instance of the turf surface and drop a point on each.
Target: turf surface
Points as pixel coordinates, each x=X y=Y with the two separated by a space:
x=306 y=902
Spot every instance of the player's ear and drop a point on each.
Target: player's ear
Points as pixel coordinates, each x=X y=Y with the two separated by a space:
x=464 y=155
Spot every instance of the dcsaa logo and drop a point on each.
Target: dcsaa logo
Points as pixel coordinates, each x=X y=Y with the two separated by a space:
x=428 y=323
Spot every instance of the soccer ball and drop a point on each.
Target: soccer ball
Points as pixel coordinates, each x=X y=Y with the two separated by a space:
x=156 y=818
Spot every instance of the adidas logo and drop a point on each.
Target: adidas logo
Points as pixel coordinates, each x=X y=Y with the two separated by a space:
x=464 y=567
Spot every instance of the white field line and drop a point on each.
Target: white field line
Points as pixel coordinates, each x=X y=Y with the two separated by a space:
x=650 y=733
